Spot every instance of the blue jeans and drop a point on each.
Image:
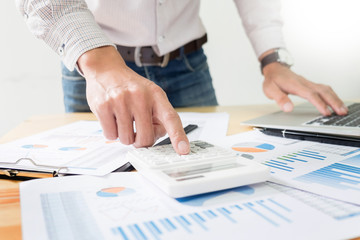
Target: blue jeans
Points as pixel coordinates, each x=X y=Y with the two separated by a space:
x=186 y=81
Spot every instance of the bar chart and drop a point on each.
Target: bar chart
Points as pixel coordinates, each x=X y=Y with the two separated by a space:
x=254 y=212
x=285 y=162
x=340 y=176
x=337 y=210
x=334 y=149
x=329 y=170
x=355 y=160
x=265 y=212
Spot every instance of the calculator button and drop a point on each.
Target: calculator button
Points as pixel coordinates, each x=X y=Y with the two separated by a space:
x=165 y=156
x=203 y=144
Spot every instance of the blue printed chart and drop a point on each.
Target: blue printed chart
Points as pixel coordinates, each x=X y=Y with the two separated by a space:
x=115 y=192
x=72 y=149
x=252 y=147
x=76 y=210
x=271 y=212
x=265 y=212
x=203 y=199
x=355 y=160
x=248 y=149
x=285 y=162
x=328 y=170
x=324 y=169
x=337 y=210
x=339 y=176
x=34 y=146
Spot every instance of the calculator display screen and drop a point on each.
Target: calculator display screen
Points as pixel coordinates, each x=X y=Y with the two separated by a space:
x=198 y=169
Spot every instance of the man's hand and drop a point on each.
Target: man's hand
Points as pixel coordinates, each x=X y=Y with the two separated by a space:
x=118 y=97
x=281 y=81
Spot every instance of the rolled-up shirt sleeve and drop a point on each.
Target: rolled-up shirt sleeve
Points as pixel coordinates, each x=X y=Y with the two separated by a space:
x=263 y=23
x=67 y=26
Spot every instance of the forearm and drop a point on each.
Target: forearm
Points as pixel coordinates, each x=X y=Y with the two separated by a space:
x=68 y=28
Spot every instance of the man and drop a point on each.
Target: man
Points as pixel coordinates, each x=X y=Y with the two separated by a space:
x=160 y=41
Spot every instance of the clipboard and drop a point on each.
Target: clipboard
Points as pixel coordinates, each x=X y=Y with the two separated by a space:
x=17 y=171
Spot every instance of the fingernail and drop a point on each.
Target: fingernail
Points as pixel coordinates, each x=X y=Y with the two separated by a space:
x=344 y=109
x=287 y=107
x=328 y=112
x=183 y=147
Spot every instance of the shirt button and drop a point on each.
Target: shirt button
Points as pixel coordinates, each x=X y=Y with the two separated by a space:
x=161 y=39
x=161 y=1
x=61 y=50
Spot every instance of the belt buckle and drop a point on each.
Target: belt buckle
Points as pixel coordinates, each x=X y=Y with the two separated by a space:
x=137 y=56
x=165 y=61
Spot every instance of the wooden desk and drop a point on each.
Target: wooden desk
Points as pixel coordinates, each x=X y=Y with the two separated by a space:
x=10 y=220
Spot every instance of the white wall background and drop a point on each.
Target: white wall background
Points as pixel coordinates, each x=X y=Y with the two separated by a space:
x=322 y=35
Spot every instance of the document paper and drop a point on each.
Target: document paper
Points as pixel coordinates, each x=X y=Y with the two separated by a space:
x=80 y=148
x=126 y=206
x=326 y=169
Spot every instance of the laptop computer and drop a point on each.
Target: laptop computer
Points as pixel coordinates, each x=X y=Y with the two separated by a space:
x=306 y=123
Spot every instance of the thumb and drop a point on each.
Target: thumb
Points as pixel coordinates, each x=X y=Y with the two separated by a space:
x=272 y=91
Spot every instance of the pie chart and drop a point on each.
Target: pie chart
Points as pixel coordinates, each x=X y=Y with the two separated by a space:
x=252 y=147
x=72 y=149
x=115 y=192
x=32 y=146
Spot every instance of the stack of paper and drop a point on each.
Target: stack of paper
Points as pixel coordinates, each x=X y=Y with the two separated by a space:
x=325 y=169
x=80 y=148
x=127 y=206
x=314 y=194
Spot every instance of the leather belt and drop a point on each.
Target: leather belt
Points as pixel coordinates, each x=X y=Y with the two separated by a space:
x=145 y=56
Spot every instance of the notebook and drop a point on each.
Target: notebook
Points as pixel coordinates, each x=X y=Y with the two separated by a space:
x=306 y=123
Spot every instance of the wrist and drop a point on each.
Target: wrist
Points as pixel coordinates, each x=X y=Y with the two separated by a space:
x=266 y=53
x=273 y=67
x=98 y=60
x=279 y=55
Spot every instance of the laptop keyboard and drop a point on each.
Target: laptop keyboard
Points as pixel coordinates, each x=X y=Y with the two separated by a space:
x=352 y=119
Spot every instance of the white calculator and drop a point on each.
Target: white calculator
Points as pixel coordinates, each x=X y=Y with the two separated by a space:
x=205 y=169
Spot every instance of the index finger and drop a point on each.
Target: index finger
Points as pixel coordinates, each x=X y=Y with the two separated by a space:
x=173 y=126
x=311 y=94
x=330 y=97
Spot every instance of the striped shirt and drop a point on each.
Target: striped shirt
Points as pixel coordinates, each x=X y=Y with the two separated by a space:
x=72 y=27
